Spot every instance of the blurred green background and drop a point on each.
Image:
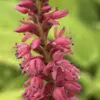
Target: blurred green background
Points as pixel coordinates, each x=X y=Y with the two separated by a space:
x=83 y=24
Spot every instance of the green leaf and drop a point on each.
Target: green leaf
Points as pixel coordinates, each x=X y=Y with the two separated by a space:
x=8 y=73
x=11 y=95
x=16 y=83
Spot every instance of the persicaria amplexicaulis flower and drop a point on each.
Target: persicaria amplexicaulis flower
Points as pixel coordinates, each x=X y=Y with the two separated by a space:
x=51 y=76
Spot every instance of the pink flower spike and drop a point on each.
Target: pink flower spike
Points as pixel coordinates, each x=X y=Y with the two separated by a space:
x=26 y=37
x=37 y=83
x=22 y=9
x=35 y=90
x=22 y=49
x=48 y=69
x=59 y=14
x=60 y=94
x=36 y=66
x=53 y=22
x=73 y=98
x=62 y=41
x=72 y=86
x=24 y=28
x=63 y=44
x=58 y=55
x=50 y=75
x=46 y=8
x=27 y=3
x=36 y=43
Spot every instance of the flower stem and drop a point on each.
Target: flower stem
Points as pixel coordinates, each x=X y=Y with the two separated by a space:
x=42 y=33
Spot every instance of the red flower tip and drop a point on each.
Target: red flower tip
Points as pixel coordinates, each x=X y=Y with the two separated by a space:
x=27 y=3
x=59 y=14
x=24 y=28
x=21 y=9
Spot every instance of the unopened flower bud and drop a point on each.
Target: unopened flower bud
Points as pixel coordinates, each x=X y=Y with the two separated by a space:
x=22 y=9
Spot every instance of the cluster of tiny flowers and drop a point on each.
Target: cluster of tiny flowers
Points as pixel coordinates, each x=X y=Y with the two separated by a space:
x=50 y=76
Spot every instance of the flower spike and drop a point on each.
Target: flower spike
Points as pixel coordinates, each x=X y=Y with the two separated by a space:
x=50 y=75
